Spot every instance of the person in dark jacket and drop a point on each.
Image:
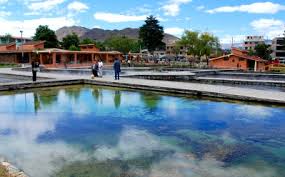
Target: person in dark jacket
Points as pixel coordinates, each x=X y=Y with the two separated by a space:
x=35 y=69
x=117 y=68
x=95 y=69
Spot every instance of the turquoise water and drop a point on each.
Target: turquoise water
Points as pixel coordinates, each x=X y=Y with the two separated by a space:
x=86 y=131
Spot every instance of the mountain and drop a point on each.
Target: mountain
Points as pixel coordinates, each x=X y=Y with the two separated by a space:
x=229 y=46
x=101 y=34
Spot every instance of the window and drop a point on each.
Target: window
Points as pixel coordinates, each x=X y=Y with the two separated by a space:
x=280 y=47
x=226 y=58
x=241 y=59
x=280 y=54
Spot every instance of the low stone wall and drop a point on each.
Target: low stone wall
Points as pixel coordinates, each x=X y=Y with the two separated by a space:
x=240 y=82
x=164 y=77
x=39 y=84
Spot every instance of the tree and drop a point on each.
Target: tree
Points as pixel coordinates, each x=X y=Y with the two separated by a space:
x=43 y=33
x=73 y=48
x=122 y=44
x=176 y=49
x=7 y=38
x=87 y=41
x=263 y=51
x=151 y=34
x=190 y=40
x=200 y=44
x=251 y=52
x=208 y=43
x=71 y=40
x=98 y=44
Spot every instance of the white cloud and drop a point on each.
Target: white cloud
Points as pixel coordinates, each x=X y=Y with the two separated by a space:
x=117 y=18
x=227 y=39
x=174 y=31
x=200 y=7
x=268 y=27
x=132 y=143
x=4 y=13
x=77 y=6
x=256 y=8
x=248 y=112
x=172 y=7
x=22 y=148
x=42 y=5
x=3 y=1
x=29 y=26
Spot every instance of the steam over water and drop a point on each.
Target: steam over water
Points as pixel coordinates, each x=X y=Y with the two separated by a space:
x=91 y=131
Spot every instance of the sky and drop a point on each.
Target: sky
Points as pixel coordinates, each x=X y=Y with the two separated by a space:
x=223 y=18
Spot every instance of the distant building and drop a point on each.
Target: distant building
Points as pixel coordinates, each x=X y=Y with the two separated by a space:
x=239 y=59
x=53 y=57
x=170 y=49
x=251 y=41
x=13 y=39
x=278 y=49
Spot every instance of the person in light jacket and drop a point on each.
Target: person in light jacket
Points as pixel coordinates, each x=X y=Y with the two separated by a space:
x=100 y=68
x=117 y=68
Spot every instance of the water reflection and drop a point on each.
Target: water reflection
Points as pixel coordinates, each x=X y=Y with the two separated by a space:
x=117 y=98
x=150 y=100
x=93 y=131
x=97 y=94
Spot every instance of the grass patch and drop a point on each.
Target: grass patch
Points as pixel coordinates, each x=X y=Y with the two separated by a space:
x=6 y=65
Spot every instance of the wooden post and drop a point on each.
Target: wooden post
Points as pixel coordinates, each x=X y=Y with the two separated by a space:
x=54 y=59
x=41 y=59
x=30 y=58
x=93 y=57
x=107 y=58
x=75 y=58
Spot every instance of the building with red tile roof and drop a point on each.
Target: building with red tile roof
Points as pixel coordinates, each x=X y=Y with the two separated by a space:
x=54 y=57
x=239 y=59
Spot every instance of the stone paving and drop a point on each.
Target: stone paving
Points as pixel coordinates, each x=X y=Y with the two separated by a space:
x=222 y=91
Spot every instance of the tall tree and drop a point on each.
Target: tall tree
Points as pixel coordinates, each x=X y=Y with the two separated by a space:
x=43 y=33
x=263 y=51
x=151 y=34
x=71 y=41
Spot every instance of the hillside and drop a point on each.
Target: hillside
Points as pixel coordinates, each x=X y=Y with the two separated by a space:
x=101 y=34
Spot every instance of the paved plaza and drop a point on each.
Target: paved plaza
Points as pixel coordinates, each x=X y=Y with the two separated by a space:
x=220 y=91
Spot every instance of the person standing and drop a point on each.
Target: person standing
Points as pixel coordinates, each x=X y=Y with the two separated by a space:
x=35 y=68
x=100 y=68
x=129 y=62
x=117 y=68
x=95 y=69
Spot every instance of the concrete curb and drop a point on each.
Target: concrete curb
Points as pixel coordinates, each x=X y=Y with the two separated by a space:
x=165 y=89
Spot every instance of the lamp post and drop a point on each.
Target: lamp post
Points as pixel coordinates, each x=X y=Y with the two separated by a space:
x=22 y=46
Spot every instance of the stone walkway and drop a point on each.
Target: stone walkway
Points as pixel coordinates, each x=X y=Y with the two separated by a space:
x=270 y=96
